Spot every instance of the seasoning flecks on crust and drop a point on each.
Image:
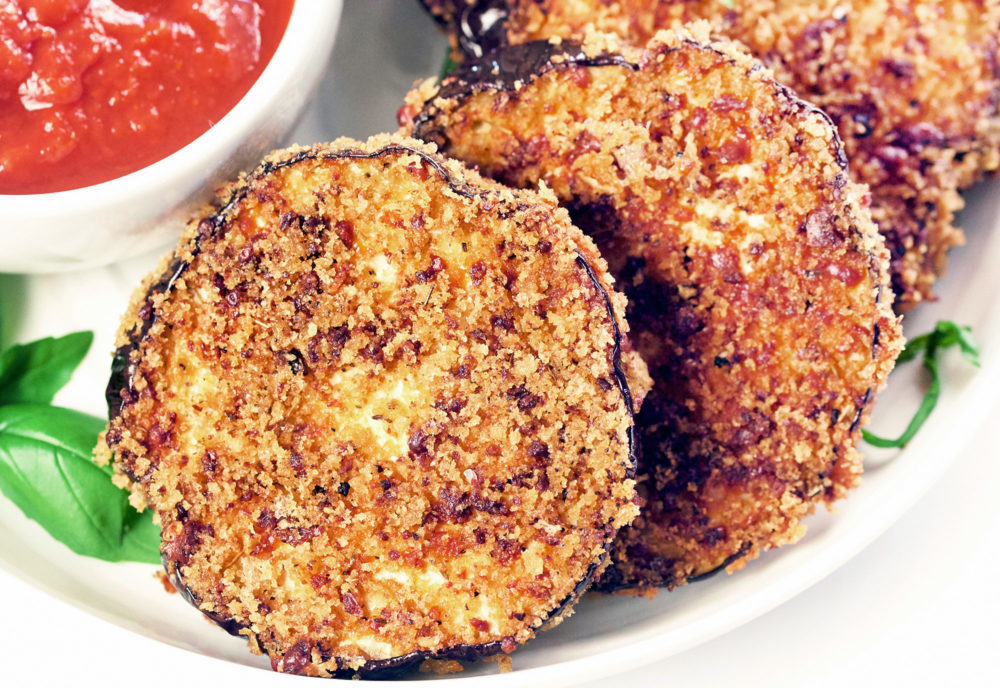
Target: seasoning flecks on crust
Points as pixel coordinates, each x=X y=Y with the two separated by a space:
x=912 y=85
x=379 y=406
x=757 y=282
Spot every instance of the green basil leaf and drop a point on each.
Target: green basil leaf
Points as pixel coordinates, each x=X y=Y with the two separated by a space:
x=32 y=373
x=141 y=538
x=448 y=66
x=53 y=480
x=47 y=471
x=944 y=335
x=926 y=406
x=914 y=347
x=966 y=343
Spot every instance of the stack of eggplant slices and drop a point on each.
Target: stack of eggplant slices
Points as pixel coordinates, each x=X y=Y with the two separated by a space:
x=608 y=311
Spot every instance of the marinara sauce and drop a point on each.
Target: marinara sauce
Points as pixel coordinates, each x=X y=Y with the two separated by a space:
x=91 y=90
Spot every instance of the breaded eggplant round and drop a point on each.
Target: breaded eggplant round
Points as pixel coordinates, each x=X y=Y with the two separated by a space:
x=914 y=89
x=379 y=406
x=757 y=282
x=912 y=85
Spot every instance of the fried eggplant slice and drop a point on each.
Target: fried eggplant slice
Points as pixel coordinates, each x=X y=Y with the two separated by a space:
x=379 y=406
x=757 y=282
x=912 y=85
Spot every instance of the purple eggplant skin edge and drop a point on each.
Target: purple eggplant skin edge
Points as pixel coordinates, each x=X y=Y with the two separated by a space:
x=506 y=68
x=479 y=27
x=120 y=392
x=509 y=67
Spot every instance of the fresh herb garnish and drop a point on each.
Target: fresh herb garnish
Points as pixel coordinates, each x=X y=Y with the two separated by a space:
x=46 y=468
x=945 y=335
x=33 y=373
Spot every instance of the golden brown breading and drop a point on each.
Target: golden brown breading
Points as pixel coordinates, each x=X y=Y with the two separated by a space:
x=914 y=89
x=378 y=405
x=757 y=281
x=912 y=85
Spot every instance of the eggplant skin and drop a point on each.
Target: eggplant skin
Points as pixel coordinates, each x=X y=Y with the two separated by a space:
x=383 y=409
x=474 y=27
x=913 y=88
x=758 y=286
x=394 y=667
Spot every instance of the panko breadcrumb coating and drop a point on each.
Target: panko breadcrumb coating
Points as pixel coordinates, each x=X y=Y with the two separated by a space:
x=379 y=406
x=912 y=85
x=757 y=282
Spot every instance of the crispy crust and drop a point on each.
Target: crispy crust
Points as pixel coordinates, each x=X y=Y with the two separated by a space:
x=912 y=85
x=757 y=284
x=380 y=408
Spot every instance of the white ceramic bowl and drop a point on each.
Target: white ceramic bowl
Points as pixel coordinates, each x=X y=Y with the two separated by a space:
x=103 y=223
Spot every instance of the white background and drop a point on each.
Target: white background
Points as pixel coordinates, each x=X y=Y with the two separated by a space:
x=920 y=606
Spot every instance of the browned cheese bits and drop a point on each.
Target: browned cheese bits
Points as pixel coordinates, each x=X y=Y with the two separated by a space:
x=912 y=85
x=379 y=406
x=757 y=282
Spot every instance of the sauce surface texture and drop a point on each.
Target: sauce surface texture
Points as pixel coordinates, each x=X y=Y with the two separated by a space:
x=91 y=90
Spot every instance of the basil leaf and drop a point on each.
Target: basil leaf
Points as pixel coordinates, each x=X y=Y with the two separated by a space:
x=968 y=346
x=945 y=334
x=914 y=347
x=32 y=373
x=47 y=471
x=141 y=538
x=448 y=66
x=926 y=406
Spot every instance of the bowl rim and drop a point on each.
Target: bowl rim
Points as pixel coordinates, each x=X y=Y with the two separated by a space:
x=309 y=27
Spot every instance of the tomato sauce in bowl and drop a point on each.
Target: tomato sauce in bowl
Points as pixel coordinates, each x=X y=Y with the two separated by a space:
x=91 y=90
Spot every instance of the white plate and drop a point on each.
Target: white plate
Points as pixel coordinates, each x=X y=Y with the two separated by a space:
x=384 y=47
